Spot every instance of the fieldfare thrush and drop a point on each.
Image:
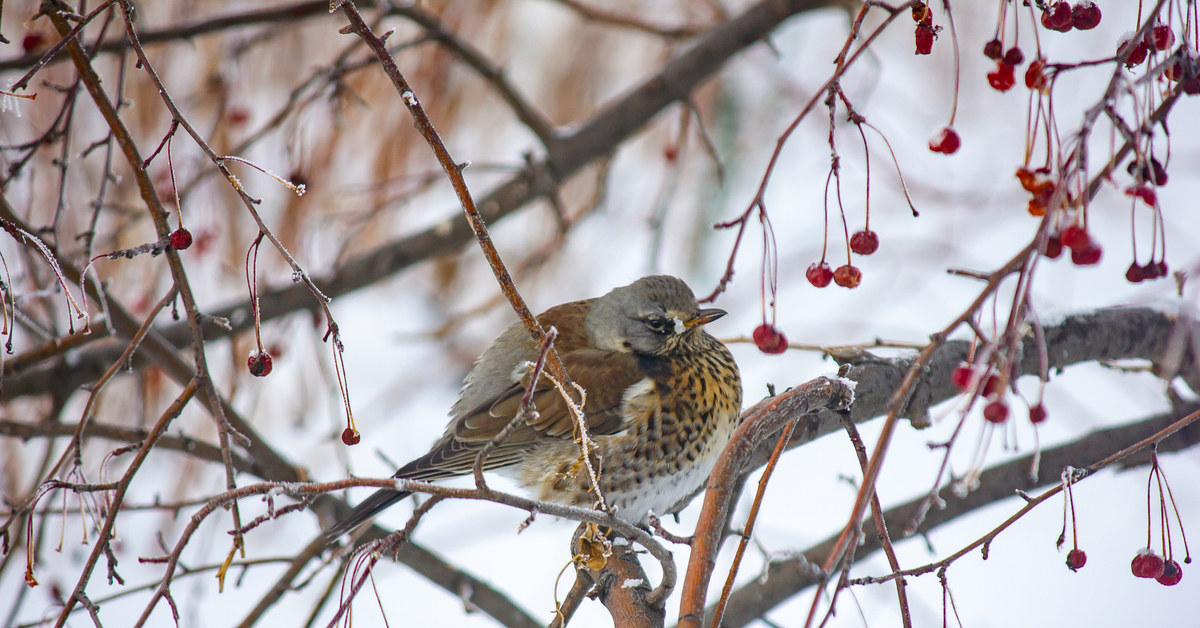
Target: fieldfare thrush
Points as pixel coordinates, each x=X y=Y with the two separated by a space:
x=663 y=397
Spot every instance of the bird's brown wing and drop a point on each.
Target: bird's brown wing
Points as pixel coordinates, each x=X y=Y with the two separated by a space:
x=604 y=375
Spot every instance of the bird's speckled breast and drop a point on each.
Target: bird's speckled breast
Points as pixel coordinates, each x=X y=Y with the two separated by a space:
x=678 y=420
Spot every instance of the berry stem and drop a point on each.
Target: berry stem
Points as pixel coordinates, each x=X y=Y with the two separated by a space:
x=954 y=40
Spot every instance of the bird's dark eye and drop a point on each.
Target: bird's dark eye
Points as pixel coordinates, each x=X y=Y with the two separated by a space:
x=657 y=325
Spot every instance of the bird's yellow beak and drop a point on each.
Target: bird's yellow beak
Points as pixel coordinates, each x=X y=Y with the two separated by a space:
x=704 y=316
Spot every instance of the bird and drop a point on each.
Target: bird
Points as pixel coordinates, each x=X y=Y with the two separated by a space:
x=662 y=398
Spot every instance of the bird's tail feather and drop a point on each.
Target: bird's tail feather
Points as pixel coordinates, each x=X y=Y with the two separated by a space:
x=370 y=507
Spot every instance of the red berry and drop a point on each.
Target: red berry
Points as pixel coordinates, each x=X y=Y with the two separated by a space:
x=1058 y=17
x=32 y=41
x=1190 y=86
x=1085 y=16
x=921 y=13
x=1159 y=269
x=1014 y=56
x=259 y=363
x=1160 y=38
x=1001 y=79
x=1171 y=574
x=1144 y=192
x=350 y=437
x=962 y=376
x=1075 y=237
x=924 y=36
x=819 y=274
x=1037 y=414
x=1086 y=256
x=1134 y=273
x=1076 y=559
x=238 y=116
x=991 y=385
x=994 y=50
x=769 y=339
x=996 y=411
x=864 y=242
x=1160 y=173
x=1035 y=77
x=847 y=276
x=180 y=239
x=1147 y=564
x=1053 y=247
x=1136 y=55
x=946 y=141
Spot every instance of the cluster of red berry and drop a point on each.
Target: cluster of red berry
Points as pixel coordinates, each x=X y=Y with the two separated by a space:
x=988 y=383
x=1148 y=563
x=1062 y=17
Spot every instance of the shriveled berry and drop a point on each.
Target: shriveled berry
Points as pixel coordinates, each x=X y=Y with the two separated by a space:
x=180 y=239
x=996 y=411
x=1160 y=269
x=1037 y=414
x=1014 y=56
x=1190 y=86
x=945 y=141
x=924 y=38
x=1001 y=79
x=1057 y=17
x=1035 y=77
x=1144 y=192
x=1160 y=37
x=921 y=12
x=847 y=276
x=1160 y=173
x=1147 y=564
x=1171 y=575
x=819 y=274
x=350 y=437
x=864 y=242
x=1086 y=256
x=770 y=340
x=1134 y=273
x=994 y=50
x=1076 y=559
x=1085 y=15
x=1053 y=247
x=962 y=376
x=1075 y=237
x=259 y=363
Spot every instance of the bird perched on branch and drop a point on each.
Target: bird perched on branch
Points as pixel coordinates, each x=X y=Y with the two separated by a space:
x=662 y=399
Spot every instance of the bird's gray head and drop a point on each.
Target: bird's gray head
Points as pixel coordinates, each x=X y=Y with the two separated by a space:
x=655 y=315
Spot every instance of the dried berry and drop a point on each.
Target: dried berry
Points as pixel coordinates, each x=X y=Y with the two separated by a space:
x=1076 y=559
x=1014 y=56
x=946 y=141
x=847 y=276
x=350 y=437
x=770 y=340
x=864 y=242
x=1171 y=574
x=1075 y=237
x=996 y=411
x=1147 y=564
x=1134 y=274
x=259 y=363
x=819 y=274
x=1160 y=37
x=1001 y=79
x=924 y=37
x=1057 y=17
x=1035 y=77
x=1037 y=414
x=962 y=376
x=180 y=239
x=1053 y=247
x=1085 y=15
x=1086 y=256
x=994 y=50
